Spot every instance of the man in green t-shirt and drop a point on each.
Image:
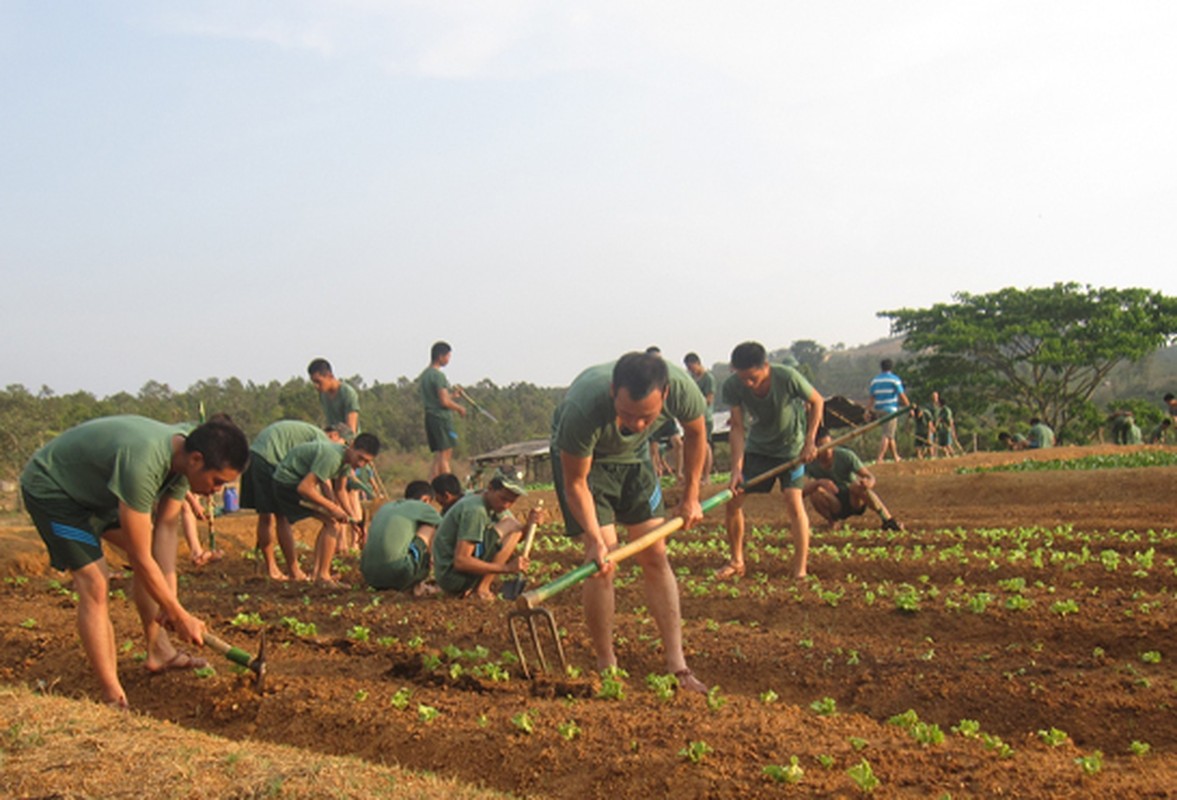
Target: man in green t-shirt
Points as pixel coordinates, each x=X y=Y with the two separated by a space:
x=1040 y=435
x=268 y=449
x=1013 y=442
x=925 y=431
x=396 y=553
x=603 y=475
x=774 y=417
x=339 y=400
x=706 y=383
x=100 y=480
x=840 y=486
x=477 y=537
x=945 y=430
x=309 y=481
x=439 y=402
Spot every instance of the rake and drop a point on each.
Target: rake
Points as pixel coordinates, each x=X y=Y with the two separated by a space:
x=528 y=613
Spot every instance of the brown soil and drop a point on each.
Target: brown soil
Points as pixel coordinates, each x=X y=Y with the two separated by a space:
x=1014 y=671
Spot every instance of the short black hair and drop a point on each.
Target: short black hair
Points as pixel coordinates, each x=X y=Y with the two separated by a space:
x=691 y=358
x=1001 y=437
x=319 y=366
x=640 y=374
x=221 y=443
x=1168 y=396
x=368 y=443
x=822 y=432
x=747 y=355
x=654 y=350
x=1034 y=420
x=419 y=490
x=886 y=364
x=438 y=350
x=447 y=483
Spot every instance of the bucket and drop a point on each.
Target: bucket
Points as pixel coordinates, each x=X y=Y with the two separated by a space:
x=230 y=500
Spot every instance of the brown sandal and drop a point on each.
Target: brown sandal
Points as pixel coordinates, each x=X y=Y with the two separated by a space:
x=730 y=571
x=688 y=682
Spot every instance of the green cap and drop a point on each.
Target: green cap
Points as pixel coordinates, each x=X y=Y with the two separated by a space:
x=511 y=481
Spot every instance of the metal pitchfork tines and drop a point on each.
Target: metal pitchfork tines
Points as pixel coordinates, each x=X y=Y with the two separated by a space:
x=527 y=610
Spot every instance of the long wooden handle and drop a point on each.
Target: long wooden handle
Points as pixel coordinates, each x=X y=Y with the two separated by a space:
x=234 y=654
x=529 y=534
x=536 y=596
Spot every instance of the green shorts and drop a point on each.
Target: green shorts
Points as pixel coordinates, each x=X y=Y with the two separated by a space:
x=625 y=493
x=440 y=433
x=458 y=583
x=404 y=573
x=68 y=531
x=257 y=486
x=757 y=464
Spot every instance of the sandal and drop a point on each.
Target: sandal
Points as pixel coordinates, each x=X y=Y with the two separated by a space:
x=730 y=571
x=688 y=682
x=180 y=660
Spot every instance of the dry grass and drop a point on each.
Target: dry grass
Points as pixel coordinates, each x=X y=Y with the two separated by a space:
x=62 y=748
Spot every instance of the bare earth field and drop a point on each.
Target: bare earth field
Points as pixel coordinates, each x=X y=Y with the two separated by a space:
x=1024 y=602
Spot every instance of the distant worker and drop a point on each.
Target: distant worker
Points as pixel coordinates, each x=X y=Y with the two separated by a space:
x=439 y=402
x=308 y=482
x=1160 y=433
x=667 y=439
x=99 y=481
x=1124 y=429
x=840 y=486
x=945 y=432
x=1014 y=441
x=340 y=401
x=396 y=554
x=775 y=413
x=925 y=431
x=706 y=383
x=477 y=537
x=1171 y=405
x=1041 y=435
x=886 y=396
x=266 y=452
x=602 y=477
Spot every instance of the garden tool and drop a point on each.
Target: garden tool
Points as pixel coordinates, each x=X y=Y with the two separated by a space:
x=514 y=587
x=256 y=665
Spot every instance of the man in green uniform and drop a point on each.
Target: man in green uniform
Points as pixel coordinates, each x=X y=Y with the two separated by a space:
x=840 y=486
x=477 y=538
x=1040 y=435
x=447 y=490
x=925 y=431
x=396 y=554
x=603 y=475
x=706 y=383
x=945 y=430
x=1015 y=442
x=339 y=400
x=439 y=402
x=308 y=482
x=99 y=481
x=775 y=413
x=268 y=449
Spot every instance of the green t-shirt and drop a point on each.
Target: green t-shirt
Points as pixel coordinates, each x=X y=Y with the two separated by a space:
x=924 y=417
x=468 y=520
x=585 y=422
x=1133 y=434
x=324 y=459
x=843 y=472
x=1040 y=436
x=279 y=438
x=104 y=461
x=433 y=380
x=706 y=384
x=392 y=531
x=337 y=406
x=944 y=417
x=775 y=423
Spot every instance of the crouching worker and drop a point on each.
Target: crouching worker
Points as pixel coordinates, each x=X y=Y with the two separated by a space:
x=99 y=481
x=477 y=539
x=309 y=483
x=841 y=486
x=396 y=554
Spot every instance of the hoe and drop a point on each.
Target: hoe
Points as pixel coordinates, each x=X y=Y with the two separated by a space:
x=528 y=613
x=255 y=665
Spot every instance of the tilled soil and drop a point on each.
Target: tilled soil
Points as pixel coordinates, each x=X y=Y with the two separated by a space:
x=394 y=679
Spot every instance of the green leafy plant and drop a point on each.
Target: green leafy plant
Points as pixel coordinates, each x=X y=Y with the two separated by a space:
x=1092 y=763
x=204 y=672
x=791 y=773
x=523 y=722
x=826 y=706
x=426 y=713
x=29 y=623
x=359 y=633
x=1151 y=657
x=361 y=695
x=253 y=619
x=715 y=700
x=696 y=751
x=568 y=730
x=663 y=686
x=1053 y=737
x=863 y=776
x=612 y=687
x=1139 y=749
x=400 y=700
x=768 y=696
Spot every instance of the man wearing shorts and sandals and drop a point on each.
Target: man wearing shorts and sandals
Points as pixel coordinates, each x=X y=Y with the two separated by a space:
x=886 y=394
x=603 y=476
x=396 y=554
x=439 y=402
x=775 y=413
x=840 y=486
x=100 y=480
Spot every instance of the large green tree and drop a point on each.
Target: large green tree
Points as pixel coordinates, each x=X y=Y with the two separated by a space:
x=1038 y=351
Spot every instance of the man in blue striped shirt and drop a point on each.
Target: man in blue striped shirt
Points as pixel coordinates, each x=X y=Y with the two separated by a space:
x=886 y=393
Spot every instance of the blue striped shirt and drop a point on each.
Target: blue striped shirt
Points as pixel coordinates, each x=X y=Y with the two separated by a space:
x=885 y=388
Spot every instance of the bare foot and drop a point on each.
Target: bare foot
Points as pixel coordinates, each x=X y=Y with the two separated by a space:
x=424 y=589
x=689 y=683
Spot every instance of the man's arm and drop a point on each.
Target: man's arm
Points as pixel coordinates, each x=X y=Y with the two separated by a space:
x=466 y=561
x=308 y=489
x=814 y=409
x=579 y=497
x=446 y=398
x=866 y=478
x=735 y=440
x=694 y=455
x=135 y=538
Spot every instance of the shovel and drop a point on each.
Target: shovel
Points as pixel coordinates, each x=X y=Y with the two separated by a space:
x=514 y=587
x=238 y=656
x=478 y=408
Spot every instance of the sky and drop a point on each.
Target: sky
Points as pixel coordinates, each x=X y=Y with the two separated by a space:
x=227 y=188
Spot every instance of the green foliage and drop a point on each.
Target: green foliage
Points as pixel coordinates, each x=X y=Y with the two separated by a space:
x=524 y=722
x=1091 y=764
x=1033 y=352
x=568 y=730
x=826 y=706
x=863 y=776
x=696 y=751
x=1053 y=737
x=1139 y=749
x=1151 y=657
x=663 y=686
x=612 y=687
x=793 y=773
x=400 y=700
x=1139 y=458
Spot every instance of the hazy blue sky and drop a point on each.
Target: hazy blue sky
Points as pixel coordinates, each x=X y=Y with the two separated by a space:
x=206 y=189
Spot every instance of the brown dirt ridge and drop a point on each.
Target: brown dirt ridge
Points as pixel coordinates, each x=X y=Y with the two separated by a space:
x=1036 y=607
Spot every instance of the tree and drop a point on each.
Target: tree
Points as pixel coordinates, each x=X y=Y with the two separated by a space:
x=1041 y=351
